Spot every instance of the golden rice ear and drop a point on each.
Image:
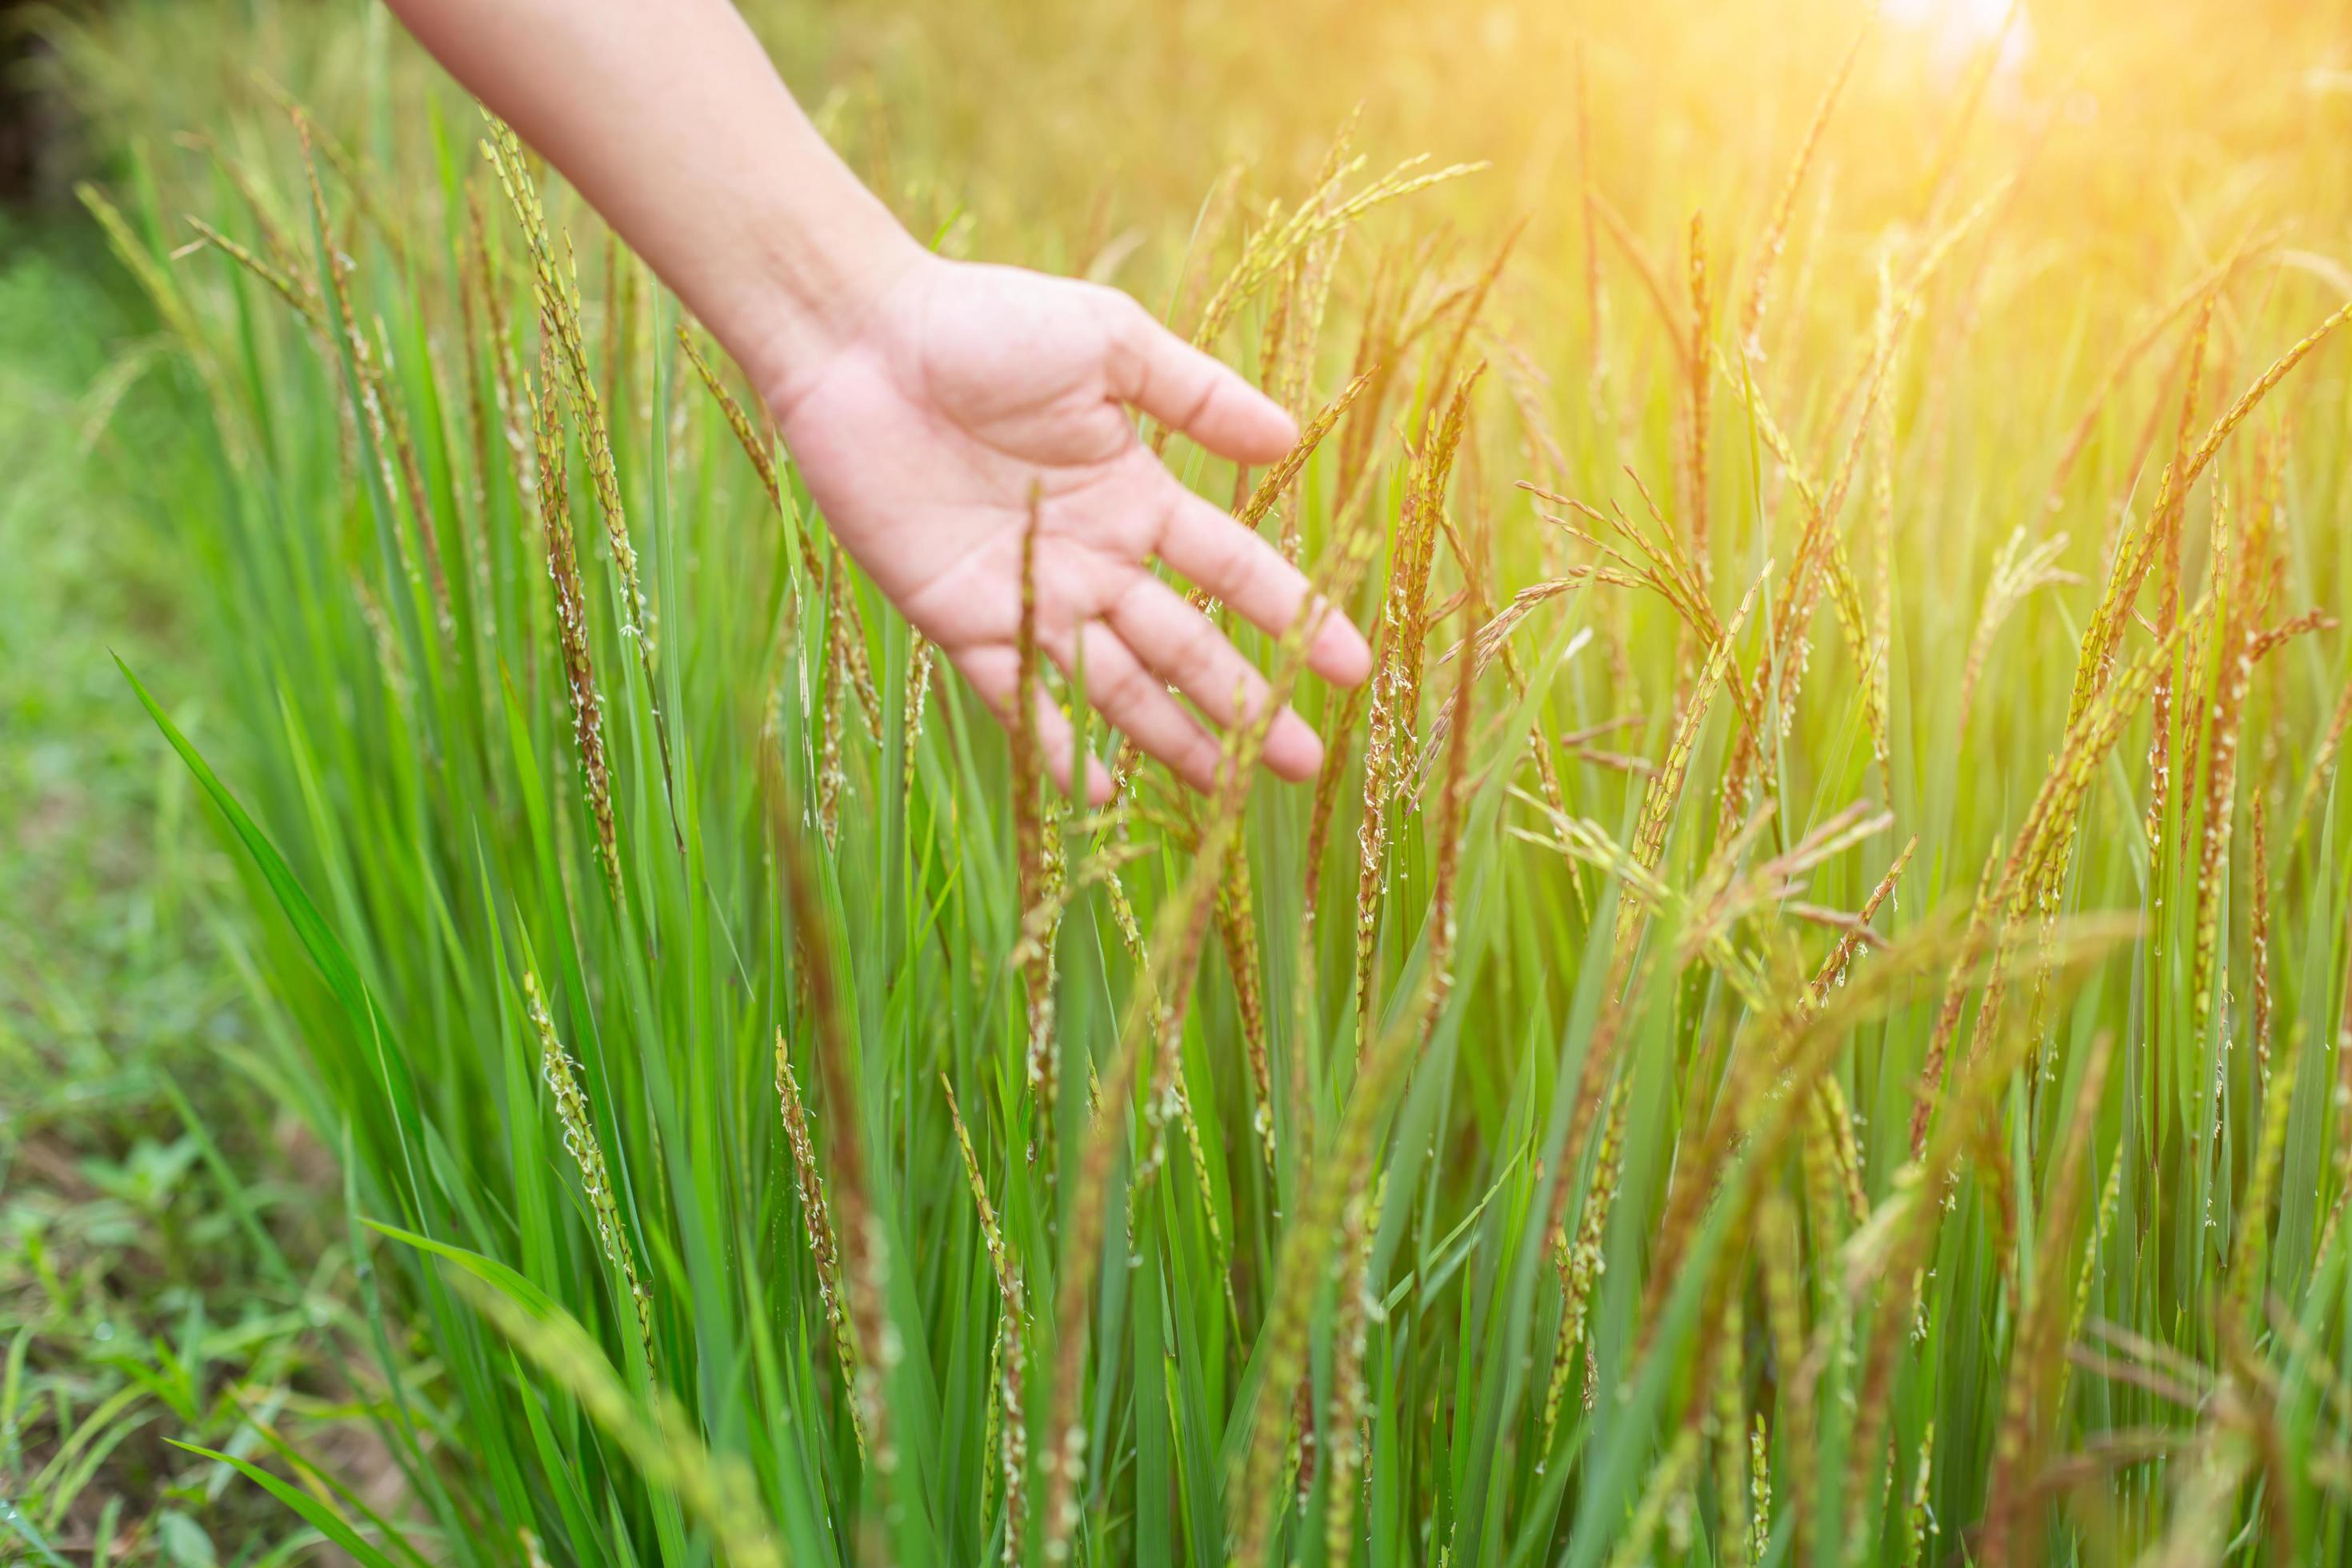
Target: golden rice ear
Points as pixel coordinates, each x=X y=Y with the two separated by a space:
x=1700 y=364
x=1784 y=205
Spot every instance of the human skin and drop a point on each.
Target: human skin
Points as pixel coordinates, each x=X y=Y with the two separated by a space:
x=928 y=404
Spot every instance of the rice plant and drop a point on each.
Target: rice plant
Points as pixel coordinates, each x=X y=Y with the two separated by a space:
x=1803 y=1023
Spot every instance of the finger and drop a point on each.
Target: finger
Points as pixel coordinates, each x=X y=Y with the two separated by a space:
x=994 y=672
x=1131 y=698
x=1187 y=390
x=1184 y=649
x=1207 y=545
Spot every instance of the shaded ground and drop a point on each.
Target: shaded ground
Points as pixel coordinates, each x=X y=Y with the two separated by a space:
x=167 y=1266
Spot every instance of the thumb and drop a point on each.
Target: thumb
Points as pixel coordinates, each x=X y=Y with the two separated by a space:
x=1189 y=390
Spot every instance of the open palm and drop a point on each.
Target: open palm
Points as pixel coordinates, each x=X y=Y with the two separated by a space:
x=968 y=390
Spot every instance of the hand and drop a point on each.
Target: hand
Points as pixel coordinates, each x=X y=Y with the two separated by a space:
x=960 y=392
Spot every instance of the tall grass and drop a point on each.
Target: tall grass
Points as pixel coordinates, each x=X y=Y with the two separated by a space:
x=1833 y=1055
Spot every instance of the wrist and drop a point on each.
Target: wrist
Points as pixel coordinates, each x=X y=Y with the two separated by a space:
x=816 y=283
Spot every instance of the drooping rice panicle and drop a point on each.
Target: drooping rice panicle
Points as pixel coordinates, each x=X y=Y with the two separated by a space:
x=2322 y=770
x=2017 y=572
x=920 y=654
x=285 y=284
x=1700 y=364
x=865 y=1250
x=572 y=626
x=665 y=1447
x=284 y=255
x=1029 y=831
x=2024 y=1433
x=841 y=598
x=2193 y=294
x=1012 y=1422
x=1237 y=933
x=1662 y=1492
x=557 y=290
x=1581 y=1262
x=824 y=1241
x=1336 y=756
x=2249 y=1254
x=1279 y=479
x=1176 y=947
x=832 y=722
x=1646 y=271
x=1322 y=214
x=1727 y=1431
x=506 y=371
x=2258 y=933
x=1395 y=686
x=1795 y=1420
x=1776 y=228
x=1350 y=1409
x=2167 y=569
x=1919 y=1523
x=371 y=393
x=562 y=1075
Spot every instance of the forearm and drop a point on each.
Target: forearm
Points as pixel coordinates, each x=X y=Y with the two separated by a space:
x=667 y=115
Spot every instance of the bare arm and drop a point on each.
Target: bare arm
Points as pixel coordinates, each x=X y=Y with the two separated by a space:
x=669 y=118
x=922 y=400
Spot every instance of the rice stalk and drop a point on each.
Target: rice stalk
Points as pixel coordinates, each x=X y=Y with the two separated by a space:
x=1325 y=213
x=558 y=294
x=864 y=1245
x=668 y=1450
x=1029 y=852
x=841 y=601
x=2193 y=295
x=1581 y=1264
x=1350 y=1411
x=1776 y=228
x=1176 y=947
x=2026 y=1419
x=824 y=1241
x=1237 y=933
x=1664 y=1490
x=1727 y=1431
x=371 y=393
x=1701 y=379
x=2017 y=572
x=1919 y=1524
x=278 y=280
x=1014 y=1427
x=1395 y=685
x=572 y=626
x=563 y=1077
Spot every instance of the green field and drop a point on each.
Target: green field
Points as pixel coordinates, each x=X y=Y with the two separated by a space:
x=1804 y=1021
